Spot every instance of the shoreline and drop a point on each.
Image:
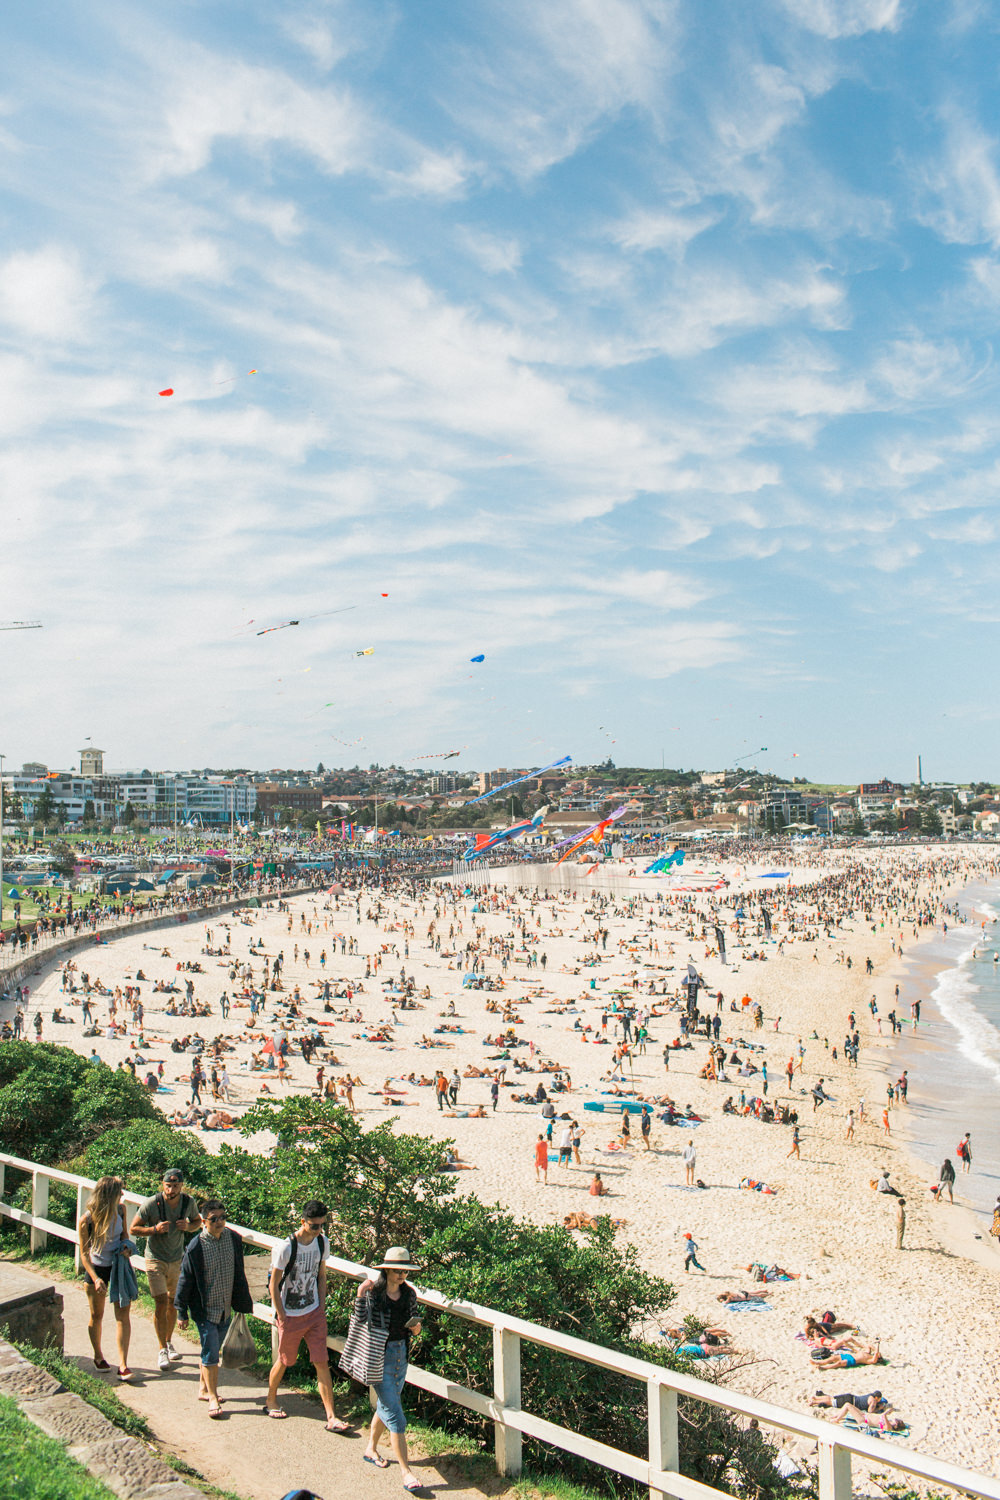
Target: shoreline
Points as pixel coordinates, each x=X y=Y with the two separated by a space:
x=950 y=1095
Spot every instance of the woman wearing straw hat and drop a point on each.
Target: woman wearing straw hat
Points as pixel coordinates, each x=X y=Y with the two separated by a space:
x=389 y=1305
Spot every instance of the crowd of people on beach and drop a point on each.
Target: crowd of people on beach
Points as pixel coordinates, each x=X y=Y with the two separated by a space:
x=313 y=997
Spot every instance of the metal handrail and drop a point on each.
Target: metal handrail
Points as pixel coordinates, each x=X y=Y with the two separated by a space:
x=659 y=1470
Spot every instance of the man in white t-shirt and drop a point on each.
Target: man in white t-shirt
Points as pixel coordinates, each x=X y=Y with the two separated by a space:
x=566 y=1147
x=690 y=1157
x=298 y=1295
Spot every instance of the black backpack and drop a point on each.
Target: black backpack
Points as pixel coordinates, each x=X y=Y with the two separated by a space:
x=161 y=1207
x=293 y=1256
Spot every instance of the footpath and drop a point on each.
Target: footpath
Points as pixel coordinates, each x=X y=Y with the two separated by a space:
x=244 y=1451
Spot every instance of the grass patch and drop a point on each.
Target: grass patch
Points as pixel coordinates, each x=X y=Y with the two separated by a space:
x=93 y=1390
x=36 y=1467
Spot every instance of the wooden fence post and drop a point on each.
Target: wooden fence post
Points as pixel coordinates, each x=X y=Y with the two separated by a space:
x=661 y=1403
x=834 y=1468
x=39 y=1207
x=507 y=1390
x=82 y=1194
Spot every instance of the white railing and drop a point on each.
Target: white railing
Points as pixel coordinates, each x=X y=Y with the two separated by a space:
x=659 y=1470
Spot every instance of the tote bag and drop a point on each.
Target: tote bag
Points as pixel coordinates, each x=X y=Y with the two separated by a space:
x=364 y=1351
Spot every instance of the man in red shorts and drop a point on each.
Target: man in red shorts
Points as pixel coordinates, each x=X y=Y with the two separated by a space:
x=298 y=1295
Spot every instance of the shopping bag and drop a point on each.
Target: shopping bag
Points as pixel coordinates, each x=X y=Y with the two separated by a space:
x=238 y=1348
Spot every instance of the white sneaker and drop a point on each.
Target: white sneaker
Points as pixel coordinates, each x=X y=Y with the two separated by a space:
x=172 y=1351
x=163 y=1360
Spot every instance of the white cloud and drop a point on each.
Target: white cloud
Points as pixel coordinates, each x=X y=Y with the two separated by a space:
x=844 y=18
x=649 y=229
x=211 y=99
x=543 y=76
x=789 y=399
x=45 y=294
x=317 y=38
x=279 y=216
x=921 y=370
x=960 y=192
x=495 y=253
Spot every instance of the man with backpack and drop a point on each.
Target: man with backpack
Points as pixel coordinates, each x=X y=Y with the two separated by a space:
x=298 y=1295
x=163 y=1221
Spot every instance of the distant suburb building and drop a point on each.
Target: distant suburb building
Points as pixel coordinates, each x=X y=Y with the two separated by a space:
x=271 y=795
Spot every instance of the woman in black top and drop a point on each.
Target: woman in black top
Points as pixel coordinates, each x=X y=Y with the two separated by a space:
x=390 y=1303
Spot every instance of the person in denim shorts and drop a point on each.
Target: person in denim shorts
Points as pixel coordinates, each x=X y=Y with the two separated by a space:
x=212 y=1286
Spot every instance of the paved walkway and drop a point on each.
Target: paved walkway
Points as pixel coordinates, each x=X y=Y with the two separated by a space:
x=243 y=1451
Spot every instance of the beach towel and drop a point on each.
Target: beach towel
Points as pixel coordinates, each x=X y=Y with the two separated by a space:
x=756 y=1304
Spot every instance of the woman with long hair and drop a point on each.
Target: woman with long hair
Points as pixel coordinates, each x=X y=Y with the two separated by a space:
x=102 y=1233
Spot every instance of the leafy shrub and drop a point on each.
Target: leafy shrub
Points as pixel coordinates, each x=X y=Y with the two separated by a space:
x=53 y=1103
x=143 y=1150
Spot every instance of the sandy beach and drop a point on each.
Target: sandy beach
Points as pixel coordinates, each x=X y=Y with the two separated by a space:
x=932 y=1304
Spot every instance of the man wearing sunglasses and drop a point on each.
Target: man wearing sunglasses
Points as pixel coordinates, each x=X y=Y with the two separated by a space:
x=298 y=1295
x=212 y=1286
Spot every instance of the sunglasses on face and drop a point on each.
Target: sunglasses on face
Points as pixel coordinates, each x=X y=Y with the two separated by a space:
x=320 y=1225
x=216 y=1219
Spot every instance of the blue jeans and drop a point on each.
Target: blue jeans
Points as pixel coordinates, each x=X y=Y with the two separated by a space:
x=389 y=1388
x=212 y=1335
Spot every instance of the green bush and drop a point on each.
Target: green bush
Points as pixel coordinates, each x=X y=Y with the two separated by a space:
x=54 y=1103
x=143 y=1150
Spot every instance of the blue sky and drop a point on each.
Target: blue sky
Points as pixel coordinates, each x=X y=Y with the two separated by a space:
x=645 y=346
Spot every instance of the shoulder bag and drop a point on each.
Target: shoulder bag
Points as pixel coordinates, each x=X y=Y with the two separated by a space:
x=363 y=1356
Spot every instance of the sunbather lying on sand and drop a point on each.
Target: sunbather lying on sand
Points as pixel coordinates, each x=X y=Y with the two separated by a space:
x=881 y=1421
x=821 y=1328
x=873 y=1403
x=845 y=1354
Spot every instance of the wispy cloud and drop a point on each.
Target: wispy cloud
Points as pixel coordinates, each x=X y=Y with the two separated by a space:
x=844 y=18
x=597 y=335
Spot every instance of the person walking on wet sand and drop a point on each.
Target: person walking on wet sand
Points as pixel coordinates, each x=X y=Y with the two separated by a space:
x=946 y=1182
x=965 y=1152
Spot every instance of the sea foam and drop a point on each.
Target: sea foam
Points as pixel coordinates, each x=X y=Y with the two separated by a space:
x=956 y=993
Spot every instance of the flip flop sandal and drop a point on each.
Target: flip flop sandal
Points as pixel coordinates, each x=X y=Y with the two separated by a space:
x=378 y=1460
x=276 y=1413
x=215 y=1411
x=414 y=1486
x=336 y=1425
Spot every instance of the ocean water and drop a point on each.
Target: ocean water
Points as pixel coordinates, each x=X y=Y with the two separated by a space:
x=953 y=1058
